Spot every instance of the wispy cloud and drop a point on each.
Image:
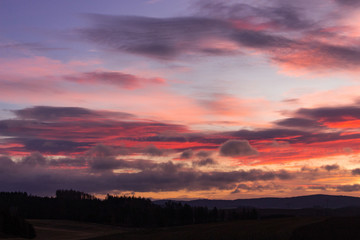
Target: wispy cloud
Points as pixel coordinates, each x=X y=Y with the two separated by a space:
x=289 y=34
x=118 y=79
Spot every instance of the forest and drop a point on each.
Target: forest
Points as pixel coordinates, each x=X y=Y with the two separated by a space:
x=126 y=211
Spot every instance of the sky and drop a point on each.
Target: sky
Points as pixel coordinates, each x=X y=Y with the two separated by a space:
x=180 y=99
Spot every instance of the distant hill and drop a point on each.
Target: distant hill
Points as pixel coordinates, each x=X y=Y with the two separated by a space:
x=311 y=201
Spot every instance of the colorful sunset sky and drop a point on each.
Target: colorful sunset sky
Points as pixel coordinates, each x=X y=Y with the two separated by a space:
x=180 y=99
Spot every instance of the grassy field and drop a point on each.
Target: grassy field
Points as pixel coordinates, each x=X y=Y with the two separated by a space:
x=62 y=229
x=265 y=229
x=269 y=229
x=307 y=228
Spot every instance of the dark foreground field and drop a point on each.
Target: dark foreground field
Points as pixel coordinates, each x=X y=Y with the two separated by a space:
x=292 y=228
x=64 y=229
x=266 y=229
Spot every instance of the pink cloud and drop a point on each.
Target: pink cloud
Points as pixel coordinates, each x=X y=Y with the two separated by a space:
x=119 y=79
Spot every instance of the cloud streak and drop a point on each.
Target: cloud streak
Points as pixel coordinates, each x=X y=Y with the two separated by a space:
x=118 y=79
x=29 y=174
x=234 y=28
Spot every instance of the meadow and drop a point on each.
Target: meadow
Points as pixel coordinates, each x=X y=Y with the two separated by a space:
x=265 y=229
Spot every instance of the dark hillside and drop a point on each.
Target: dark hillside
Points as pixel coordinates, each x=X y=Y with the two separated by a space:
x=311 y=201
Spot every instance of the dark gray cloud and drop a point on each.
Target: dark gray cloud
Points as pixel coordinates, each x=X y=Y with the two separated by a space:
x=348 y=188
x=160 y=38
x=187 y=154
x=34 y=159
x=154 y=151
x=257 y=39
x=233 y=148
x=79 y=162
x=63 y=130
x=323 y=188
x=102 y=158
x=299 y=123
x=168 y=38
x=203 y=154
x=42 y=129
x=93 y=174
x=330 y=114
x=355 y=171
x=52 y=113
x=277 y=15
x=332 y=167
x=100 y=151
x=281 y=30
x=284 y=175
x=255 y=187
x=294 y=135
x=308 y=169
x=49 y=113
x=104 y=163
x=53 y=146
x=204 y=162
x=6 y=163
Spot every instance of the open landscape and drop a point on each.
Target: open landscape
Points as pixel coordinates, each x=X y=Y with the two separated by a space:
x=77 y=215
x=180 y=119
x=73 y=230
x=280 y=229
x=289 y=228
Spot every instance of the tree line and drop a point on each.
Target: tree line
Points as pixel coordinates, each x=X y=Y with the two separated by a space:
x=129 y=211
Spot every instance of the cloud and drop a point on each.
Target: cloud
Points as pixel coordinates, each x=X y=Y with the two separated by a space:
x=6 y=163
x=255 y=187
x=33 y=46
x=299 y=123
x=257 y=39
x=234 y=148
x=271 y=133
x=52 y=146
x=274 y=15
x=154 y=151
x=331 y=167
x=284 y=175
x=355 y=171
x=186 y=154
x=101 y=151
x=67 y=130
x=34 y=159
x=323 y=188
x=167 y=38
x=331 y=114
x=203 y=154
x=102 y=157
x=68 y=162
x=289 y=34
x=52 y=113
x=119 y=79
x=155 y=37
x=348 y=188
x=49 y=113
x=92 y=172
x=204 y=162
